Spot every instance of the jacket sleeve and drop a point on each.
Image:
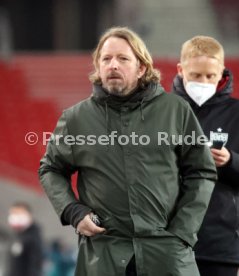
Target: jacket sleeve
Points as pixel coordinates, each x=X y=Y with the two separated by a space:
x=56 y=168
x=229 y=174
x=198 y=175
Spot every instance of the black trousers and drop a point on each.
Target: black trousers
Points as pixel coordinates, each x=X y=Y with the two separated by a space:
x=207 y=268
x=131 y=268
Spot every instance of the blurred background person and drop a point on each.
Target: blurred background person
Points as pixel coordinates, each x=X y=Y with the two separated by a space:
x=26 y=251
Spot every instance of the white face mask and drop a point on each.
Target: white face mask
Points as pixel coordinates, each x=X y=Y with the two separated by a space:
x=200 y=92
x=19 y=221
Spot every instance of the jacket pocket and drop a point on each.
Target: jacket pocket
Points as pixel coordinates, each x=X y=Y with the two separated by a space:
x=164 y=233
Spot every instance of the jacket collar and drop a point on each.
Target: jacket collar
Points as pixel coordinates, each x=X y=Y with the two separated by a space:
x=131 y=101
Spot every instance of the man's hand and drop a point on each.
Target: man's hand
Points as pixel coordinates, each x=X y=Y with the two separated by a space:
x=88 y=228
x=221 y=157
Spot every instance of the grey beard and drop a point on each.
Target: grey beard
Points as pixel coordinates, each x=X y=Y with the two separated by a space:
x=117 y=92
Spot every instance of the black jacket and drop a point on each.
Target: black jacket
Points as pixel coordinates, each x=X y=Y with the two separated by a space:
x=218 y=238
x=26 y=254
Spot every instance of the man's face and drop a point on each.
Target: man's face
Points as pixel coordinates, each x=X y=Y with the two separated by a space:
x=201 y=69
x=118 y=67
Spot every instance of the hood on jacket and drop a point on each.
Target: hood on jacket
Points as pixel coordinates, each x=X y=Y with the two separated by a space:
x=132 y=101
x=224 y=89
